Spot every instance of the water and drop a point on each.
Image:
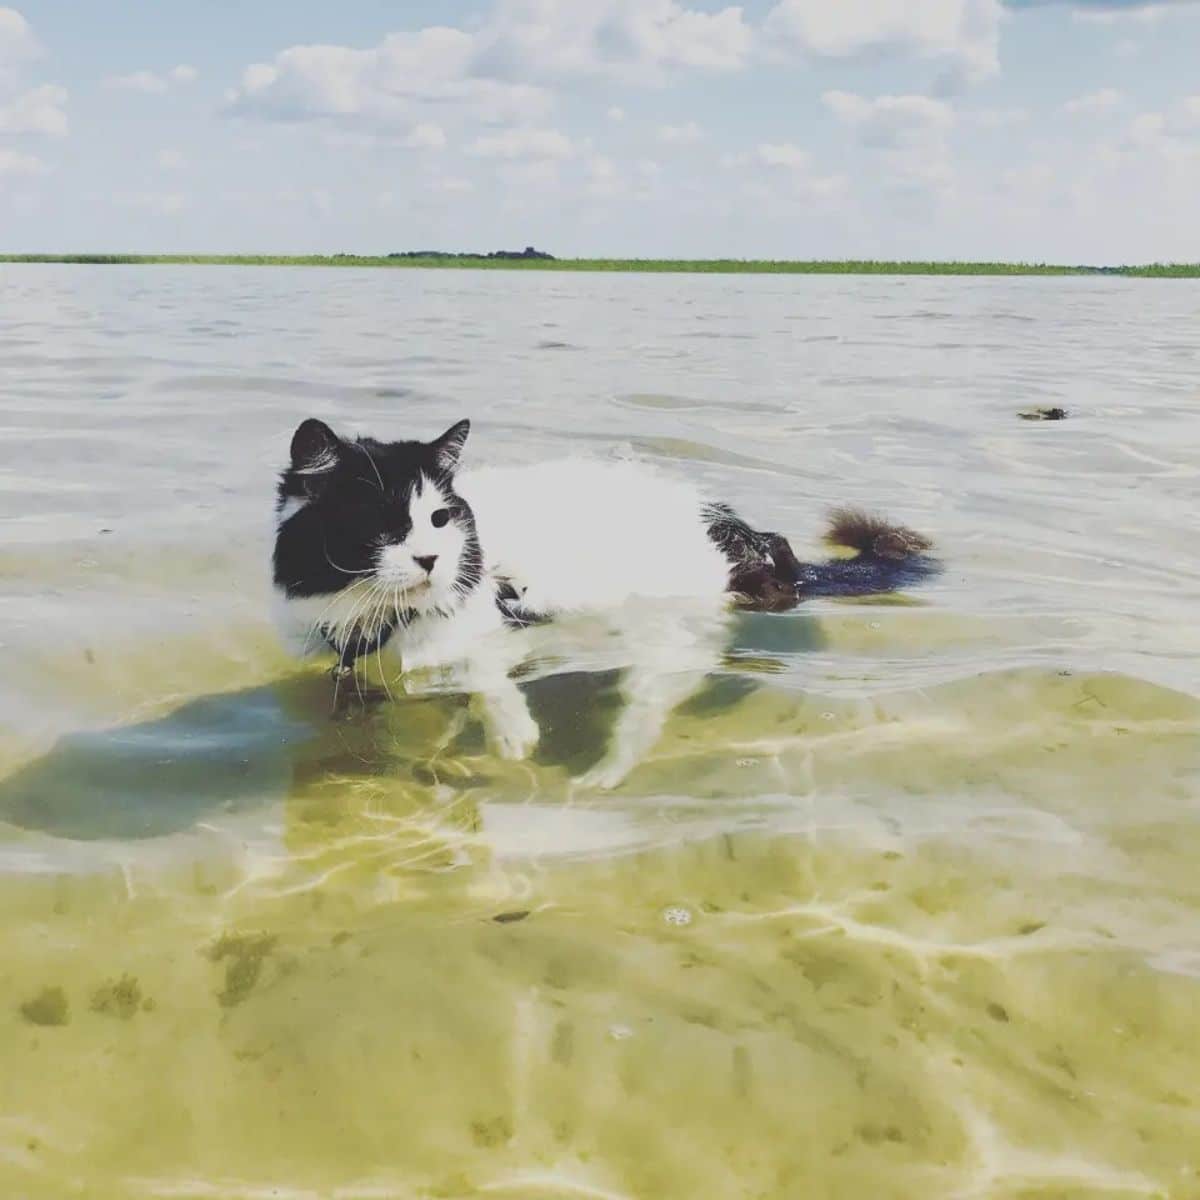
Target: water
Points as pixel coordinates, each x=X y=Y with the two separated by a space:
x=903 y=904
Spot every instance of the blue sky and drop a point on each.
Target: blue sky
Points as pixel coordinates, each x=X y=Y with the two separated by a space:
x=781 y=128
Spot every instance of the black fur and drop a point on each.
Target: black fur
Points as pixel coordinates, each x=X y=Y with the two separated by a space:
x=358 y=497
x=510 y=600
x=765 y=574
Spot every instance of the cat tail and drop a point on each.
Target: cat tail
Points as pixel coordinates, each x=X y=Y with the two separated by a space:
x=766 y=574
x=887 y=557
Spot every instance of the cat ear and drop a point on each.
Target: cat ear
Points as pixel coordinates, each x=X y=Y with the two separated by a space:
x=315 y=448
x=449 y=446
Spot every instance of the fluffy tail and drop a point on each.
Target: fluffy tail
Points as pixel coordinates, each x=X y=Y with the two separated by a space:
x=889 y=557
x=766 y=574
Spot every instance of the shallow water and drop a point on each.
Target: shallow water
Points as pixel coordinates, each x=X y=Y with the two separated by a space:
x=903 y=904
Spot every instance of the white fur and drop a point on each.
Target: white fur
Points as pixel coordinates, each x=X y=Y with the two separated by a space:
x=575 y=536
x=582 y=535
x=398 y=567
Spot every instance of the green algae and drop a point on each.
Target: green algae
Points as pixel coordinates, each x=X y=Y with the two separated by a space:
x=48 y=1007
x=244 y=955
x=120 y=998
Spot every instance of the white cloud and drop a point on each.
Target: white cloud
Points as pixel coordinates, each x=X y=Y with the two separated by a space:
x=39 y=110
x=1035 y=179
x=13 y=163
x=499 y=72
x=1160 y=141
x=623 y=38
x=257 y=77
x=603 y=178
x=789 y=162
x=822 y=187
x=451 y=185
x=425 y=136
x=151 y=82
x=776 y=172
x=997 y=118
x=389 y=85
x=138 y=81
x=600 y=167
x=525 y=182
x=616 y=114
x=1152 y=165
x=1189 y=111
x=171 y=160
x=961 y=34
x=1172 y=133
x=909 y=131
x=16 y=38
x=888 y=122
x=522 y=144
x=783 y=154
x=687 y=134
x=1133 y=14
x=1094 y=103
x=158 y=203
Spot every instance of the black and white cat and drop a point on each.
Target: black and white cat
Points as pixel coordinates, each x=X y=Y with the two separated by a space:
x=387 y=547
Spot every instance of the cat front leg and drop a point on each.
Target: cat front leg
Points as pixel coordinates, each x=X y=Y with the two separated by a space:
x=510 y=728
x=500 y=704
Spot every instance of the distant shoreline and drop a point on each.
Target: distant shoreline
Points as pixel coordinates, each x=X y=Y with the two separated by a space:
x=683 y=266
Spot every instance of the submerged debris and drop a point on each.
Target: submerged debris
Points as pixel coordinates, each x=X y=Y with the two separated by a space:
x=48 y=1007
x=1043 y=414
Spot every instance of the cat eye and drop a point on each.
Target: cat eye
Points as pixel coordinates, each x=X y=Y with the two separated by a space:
x=440 y=517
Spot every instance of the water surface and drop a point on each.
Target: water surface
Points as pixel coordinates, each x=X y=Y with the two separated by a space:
x=903 y=904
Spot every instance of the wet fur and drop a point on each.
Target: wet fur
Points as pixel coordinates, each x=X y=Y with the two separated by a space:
x=389 y=547
x=766 y=575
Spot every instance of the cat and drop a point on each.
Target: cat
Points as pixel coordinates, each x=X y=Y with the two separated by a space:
x=391 y=547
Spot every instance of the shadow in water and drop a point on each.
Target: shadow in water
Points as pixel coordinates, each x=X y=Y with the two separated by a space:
x=219 y=754
x=240 y=752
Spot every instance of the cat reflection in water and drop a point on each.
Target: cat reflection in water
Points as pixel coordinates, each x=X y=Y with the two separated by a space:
x=389 y=548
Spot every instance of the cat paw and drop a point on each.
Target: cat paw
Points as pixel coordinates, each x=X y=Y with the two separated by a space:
x=517 y=739
x=607 y=774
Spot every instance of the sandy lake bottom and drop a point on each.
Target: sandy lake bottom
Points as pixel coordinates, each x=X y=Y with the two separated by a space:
x=904 y=903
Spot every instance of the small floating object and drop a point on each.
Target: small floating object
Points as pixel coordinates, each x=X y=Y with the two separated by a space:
x=507 y=918
x=677 y=915
x=1043 y=414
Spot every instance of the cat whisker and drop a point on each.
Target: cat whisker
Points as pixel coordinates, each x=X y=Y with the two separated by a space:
x=353 y=625
x=373 y=468
x=317 y=626
x=344 y=570
x=379 y=652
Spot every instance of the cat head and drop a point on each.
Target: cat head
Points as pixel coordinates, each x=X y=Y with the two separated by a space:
x=381 y=518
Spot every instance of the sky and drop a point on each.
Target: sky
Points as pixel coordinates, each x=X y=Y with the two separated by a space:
x=1033 y=130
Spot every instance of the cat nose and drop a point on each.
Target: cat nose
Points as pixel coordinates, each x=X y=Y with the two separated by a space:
x=425 y=562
